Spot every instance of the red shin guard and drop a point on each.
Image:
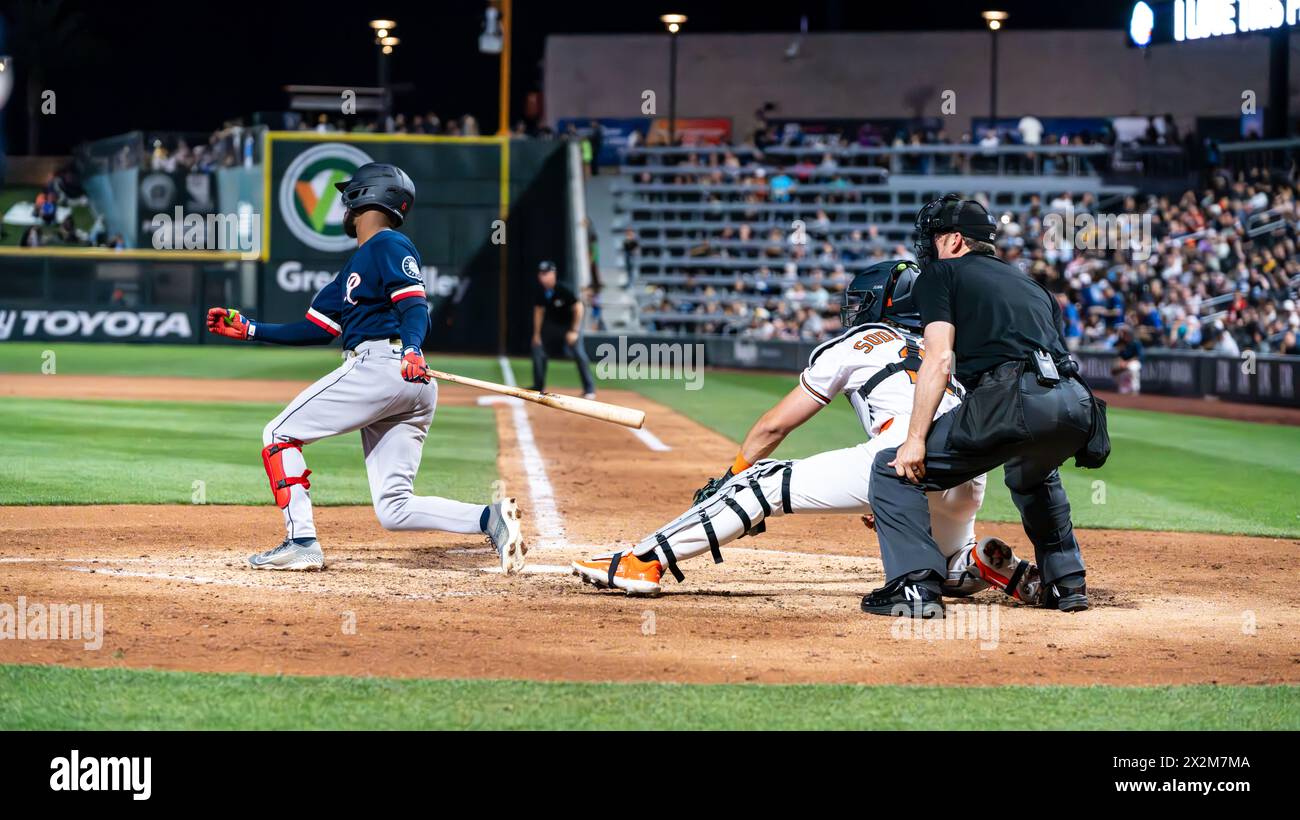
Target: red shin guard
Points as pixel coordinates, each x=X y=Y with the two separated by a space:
x=273 y=461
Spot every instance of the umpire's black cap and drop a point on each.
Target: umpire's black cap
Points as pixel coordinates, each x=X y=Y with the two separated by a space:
x=951 y=214
x=379 y=185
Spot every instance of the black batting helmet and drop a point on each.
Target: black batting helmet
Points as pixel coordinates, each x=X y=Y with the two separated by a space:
x=882 y=292
x=379 y=185
x=948 y=214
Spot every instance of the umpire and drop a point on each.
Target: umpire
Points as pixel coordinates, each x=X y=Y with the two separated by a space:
x=1026 y=410
x=557 y=323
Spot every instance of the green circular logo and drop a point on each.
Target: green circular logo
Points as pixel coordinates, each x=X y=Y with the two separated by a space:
x=311 y=206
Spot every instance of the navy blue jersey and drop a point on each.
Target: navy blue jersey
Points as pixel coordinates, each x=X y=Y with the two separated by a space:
x=359 y=304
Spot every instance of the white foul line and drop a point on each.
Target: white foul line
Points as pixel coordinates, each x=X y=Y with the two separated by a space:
x=535 y=569
x=545 y=516
x=650 y=440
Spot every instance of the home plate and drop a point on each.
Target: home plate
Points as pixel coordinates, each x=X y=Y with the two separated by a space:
x=536 y=569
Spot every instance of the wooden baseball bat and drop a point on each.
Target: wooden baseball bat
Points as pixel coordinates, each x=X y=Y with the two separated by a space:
x=590 y=408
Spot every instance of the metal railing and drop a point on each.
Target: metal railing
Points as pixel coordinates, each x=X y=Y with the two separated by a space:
x=1279 y=153
x=963 y=159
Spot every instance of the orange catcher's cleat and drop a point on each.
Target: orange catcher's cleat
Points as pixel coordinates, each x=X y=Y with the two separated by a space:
x=622 y=570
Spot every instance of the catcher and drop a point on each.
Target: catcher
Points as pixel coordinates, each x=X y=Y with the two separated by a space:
x=874 y=363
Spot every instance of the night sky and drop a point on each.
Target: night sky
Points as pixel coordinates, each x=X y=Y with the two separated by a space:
x=187 y=66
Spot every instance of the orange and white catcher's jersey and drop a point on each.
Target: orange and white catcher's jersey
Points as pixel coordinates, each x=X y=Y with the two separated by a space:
x=847 y=363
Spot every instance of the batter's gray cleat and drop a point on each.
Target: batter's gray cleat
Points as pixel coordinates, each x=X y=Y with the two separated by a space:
x=290 y=555
x=505 y=533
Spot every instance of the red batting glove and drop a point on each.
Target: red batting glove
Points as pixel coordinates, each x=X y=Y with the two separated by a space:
x=228 y=322
x=414 y=368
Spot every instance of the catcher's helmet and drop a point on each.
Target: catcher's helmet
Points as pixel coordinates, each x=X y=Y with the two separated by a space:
x=948 y=214
x=379 y=185
x=882 y=292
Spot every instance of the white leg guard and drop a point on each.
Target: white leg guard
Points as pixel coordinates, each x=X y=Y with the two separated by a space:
x=963 y=576
x=736 y=510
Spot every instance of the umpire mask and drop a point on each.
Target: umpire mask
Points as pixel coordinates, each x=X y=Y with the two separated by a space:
x=950 y=214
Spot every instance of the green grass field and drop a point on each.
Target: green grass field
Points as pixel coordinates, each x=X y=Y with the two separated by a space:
x=166 y=447
x=43 y=697
x=1167 y=472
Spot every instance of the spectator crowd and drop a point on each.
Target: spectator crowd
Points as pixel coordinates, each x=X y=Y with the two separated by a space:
x=1215 y=268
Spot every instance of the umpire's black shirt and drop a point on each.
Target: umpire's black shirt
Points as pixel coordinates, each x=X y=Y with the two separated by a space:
x=1000 y=313
x=558 y=303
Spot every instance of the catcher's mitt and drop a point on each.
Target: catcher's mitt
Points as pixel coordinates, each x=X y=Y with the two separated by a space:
x=710 y=489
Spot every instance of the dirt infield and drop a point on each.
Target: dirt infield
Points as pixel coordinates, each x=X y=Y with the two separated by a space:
x=1169 y=607
x=161 y=388
x=1208 y=406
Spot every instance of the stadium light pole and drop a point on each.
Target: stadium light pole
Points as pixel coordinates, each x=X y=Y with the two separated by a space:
x=994 y=20
x=384 y=43
x=503 y=102
x=674 y=23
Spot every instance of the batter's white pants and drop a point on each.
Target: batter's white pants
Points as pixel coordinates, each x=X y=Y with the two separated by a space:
x=827 y=483
x=367 y=393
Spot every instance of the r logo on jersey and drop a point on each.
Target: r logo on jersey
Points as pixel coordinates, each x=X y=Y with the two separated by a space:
x=412 y=269
x=354 y=279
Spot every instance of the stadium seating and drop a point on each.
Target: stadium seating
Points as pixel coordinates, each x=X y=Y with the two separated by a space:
x=741 y=241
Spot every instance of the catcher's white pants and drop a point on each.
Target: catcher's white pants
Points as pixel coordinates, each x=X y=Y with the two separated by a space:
x=367 y=393
x=831 y=482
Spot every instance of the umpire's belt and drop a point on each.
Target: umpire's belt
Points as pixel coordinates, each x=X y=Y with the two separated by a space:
x=1065 y=365
x=377 y=346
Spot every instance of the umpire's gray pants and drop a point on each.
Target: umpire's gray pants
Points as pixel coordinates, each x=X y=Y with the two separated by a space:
x=1058 y=419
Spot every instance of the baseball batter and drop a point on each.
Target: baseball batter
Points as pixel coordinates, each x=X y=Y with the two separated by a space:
x=377 y=304
x=873 y=363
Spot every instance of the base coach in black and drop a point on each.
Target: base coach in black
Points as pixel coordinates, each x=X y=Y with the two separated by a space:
x=557 y=324
x=1025 y=409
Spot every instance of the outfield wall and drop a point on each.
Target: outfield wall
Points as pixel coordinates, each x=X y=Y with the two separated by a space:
x=1248 y=378
x=487 y=210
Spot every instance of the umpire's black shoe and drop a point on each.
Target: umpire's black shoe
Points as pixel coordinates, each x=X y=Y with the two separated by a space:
x=1068 y=594
x=906 y=597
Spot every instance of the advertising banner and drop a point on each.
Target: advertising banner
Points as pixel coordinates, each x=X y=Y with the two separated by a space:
x=96 y=324
x=695 y=131
x=163 y=192
x=455 y=223
x=615 y=134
